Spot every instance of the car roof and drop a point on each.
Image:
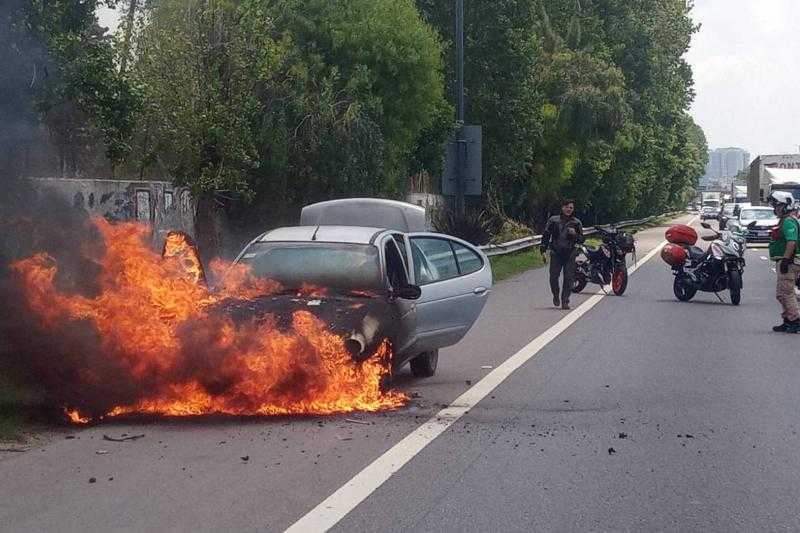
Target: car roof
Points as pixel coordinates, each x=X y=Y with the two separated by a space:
x=340 y=234
x=758 y=208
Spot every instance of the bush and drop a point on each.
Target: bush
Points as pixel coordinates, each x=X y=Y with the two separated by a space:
x=474 y=226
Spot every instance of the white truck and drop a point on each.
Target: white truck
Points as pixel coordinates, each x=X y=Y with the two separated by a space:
x=773 y=172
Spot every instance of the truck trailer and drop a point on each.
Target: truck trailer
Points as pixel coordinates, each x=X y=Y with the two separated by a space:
x=773 y=172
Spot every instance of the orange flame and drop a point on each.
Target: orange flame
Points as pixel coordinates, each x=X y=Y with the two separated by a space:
x=152 y=317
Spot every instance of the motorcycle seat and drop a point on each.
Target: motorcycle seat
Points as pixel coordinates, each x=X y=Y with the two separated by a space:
x=696 y=253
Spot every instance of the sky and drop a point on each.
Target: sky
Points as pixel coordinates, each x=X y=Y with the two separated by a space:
x=746 y=62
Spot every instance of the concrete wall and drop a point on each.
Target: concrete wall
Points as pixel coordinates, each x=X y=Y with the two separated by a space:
x=157 y=203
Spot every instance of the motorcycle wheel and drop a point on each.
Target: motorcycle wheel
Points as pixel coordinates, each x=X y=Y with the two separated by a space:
x=735 y=286
x=683 y=292
x=580 y=282
x=619 y=280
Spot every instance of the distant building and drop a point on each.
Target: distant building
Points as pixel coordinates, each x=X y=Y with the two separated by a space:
x=724 y=164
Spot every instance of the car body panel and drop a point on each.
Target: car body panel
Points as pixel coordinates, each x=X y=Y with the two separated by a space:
x=448 y=307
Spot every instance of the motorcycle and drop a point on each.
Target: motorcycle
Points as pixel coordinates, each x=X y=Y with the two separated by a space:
x=717 y=269
x=606 y=263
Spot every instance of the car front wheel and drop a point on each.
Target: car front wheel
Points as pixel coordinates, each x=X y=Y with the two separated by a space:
x=424 y=365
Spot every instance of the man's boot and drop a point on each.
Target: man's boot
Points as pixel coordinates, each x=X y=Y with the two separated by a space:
x=556 y=300
x=565 y=304
x=793 y=326
x=782 y=327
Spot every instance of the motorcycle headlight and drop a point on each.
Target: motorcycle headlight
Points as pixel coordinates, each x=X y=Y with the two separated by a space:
x=717 y=251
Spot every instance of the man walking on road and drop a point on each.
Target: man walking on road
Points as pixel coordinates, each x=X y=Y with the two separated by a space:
x=784 y=250
x=560 y=237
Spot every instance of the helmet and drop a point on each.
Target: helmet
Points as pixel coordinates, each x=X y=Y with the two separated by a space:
x=781 y=199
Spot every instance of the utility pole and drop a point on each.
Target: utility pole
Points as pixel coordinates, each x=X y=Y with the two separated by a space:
x=460 y=141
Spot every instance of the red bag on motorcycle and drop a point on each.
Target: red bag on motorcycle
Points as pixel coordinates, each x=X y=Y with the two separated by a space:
x=681 y=234
x=674 y=254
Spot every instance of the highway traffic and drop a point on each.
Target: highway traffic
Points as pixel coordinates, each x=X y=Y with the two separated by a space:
x=626 y=413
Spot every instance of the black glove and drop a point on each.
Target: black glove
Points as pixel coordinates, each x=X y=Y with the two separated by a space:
x=543 y=249
x=784 y=265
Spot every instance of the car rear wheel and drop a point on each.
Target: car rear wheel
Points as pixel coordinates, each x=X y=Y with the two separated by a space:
x=424 y=365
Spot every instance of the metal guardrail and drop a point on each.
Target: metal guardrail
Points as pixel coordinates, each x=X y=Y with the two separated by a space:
x=534 y=240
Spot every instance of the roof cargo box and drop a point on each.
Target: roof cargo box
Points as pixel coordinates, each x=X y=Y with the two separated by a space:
x=366 y=212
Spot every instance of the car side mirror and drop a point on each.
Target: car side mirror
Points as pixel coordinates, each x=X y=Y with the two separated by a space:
x=706 y=225
x=752 y=225
x=408 y=292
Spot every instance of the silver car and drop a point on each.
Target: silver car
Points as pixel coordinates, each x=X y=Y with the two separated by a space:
x=762 y=219
x=380 y=276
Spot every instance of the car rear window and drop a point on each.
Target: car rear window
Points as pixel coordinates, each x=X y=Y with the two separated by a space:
x=334 y=266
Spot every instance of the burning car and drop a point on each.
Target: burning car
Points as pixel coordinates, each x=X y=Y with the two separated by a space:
x=368 y=269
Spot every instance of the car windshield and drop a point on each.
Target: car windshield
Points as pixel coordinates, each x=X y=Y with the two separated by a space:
x=728 y=209
x=757 y=214
x=333 y=266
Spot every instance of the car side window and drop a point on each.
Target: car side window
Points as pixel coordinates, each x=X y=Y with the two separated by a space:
x=395 y=266
x=434 y=260
x=468 y=261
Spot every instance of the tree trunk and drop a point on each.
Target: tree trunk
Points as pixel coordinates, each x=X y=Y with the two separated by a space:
x=207 y=233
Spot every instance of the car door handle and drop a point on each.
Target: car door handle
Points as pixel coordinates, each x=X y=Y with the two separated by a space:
x=480 y=291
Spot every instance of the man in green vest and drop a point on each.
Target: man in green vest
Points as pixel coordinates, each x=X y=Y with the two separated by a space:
x=784 y=250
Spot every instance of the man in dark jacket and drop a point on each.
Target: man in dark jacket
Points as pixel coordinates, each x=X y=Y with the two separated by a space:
x=561 y=235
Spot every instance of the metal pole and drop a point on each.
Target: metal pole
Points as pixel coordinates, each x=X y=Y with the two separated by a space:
x=460 y=144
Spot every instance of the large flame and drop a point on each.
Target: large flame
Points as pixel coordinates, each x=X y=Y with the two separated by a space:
x=152 y=318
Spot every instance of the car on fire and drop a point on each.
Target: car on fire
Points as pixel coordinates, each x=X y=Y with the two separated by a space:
x=379 y=275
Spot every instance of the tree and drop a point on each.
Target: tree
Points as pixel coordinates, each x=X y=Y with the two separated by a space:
x=62 y=73
x=286 y=102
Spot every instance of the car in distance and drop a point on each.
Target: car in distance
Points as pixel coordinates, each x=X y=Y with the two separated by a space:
x=758 y=220
x=380 y=275
x=709 y=212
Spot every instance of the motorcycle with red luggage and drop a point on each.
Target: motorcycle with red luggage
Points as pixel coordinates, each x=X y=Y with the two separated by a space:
x=606 y=263
x=717 y=269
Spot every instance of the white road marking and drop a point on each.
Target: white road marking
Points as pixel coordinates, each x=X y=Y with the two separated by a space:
x=336 y=506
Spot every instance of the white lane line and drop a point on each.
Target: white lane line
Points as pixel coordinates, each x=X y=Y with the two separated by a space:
x=328 y=513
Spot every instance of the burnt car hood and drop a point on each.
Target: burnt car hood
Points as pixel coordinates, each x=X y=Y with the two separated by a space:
x=364 y=322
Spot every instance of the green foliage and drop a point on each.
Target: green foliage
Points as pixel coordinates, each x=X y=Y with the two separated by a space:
x=289 y=101
x=584 y=99
x=510 y=265
x=474 y=226
x=62 y=73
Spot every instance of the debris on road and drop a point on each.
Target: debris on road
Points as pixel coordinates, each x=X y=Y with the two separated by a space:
x=487 y=367
x=124 y=438
x=611 y=451
x=468 y=382
x=101 y=452
x=354 y=421
x=623 y=435
x=344 y=438
x=92 y=480
x=245 y=458
x=68 y=437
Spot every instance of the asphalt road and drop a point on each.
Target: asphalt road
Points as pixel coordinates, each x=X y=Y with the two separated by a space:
x=696 y=400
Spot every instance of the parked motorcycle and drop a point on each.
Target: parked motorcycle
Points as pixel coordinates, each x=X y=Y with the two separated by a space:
x=717 y=269
x=606 y=263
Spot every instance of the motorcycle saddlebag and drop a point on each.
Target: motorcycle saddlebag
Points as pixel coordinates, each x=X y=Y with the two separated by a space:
x=681 y=234
x=674 y=254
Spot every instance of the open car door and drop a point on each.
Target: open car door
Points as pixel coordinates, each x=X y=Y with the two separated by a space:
x=455 y=279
